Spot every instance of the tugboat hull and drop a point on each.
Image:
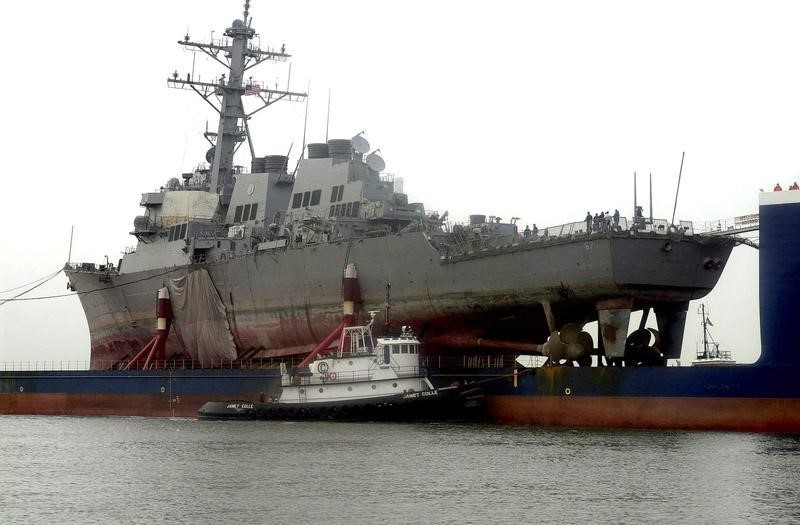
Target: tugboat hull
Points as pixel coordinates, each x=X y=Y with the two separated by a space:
x=428 y=405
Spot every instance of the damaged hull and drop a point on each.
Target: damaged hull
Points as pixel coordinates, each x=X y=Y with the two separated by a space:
x=281 y=303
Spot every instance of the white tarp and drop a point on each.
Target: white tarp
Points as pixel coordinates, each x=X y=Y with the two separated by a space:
x=181 y=206
x=199 y=316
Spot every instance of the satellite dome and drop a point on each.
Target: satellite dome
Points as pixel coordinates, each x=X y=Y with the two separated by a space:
x=237 y=24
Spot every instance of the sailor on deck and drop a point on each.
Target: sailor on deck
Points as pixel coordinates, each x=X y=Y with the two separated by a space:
x=777 y=187
x=588 y=220
x=794 y=186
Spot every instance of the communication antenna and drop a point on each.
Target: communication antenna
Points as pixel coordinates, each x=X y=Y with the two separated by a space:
x=359 y=143
x=375 y=161
x=71 y=231
x=680 y=172
x=328 y=118
x=305 y=125
x=651 y=198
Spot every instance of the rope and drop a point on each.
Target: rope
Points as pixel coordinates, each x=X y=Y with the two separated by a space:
x=30 y=283
x=18 y=298
x=15 y=298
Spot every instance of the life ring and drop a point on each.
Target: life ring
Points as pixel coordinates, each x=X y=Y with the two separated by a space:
x=332 y=376
x=322 y=367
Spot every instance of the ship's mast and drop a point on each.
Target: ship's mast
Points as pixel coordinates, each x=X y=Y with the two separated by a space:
x=237 y=54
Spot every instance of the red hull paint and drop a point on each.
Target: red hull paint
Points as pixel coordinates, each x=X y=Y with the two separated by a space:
x=692 y=413
x=64 y=404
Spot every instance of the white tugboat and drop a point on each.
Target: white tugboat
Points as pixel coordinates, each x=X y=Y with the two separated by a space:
x=365 y=377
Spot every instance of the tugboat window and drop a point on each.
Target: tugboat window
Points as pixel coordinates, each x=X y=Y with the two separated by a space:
x=183 y=230
x=320 y=390
x=395 y=349
x=405 y=349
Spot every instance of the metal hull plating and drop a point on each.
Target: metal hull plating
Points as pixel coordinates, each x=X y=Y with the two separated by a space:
x=178 y=393
x=283 y=302
x=738 y=398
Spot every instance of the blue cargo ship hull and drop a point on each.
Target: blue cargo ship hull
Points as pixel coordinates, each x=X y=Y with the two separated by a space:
x=741 y=398
x=168 y=393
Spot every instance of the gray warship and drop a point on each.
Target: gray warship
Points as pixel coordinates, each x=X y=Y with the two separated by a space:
x=254 y=257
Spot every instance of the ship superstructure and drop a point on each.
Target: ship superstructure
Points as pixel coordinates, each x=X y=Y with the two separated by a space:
x=264 y=248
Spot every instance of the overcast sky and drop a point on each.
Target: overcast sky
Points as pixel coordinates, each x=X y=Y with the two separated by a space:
x=540 y=110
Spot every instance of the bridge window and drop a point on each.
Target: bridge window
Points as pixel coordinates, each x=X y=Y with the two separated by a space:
x=315 y=197
x=349 y=209
x=237 y=216
x=404 y=349
x=337 y=193
x=246 y=212
x=306 y=198
x=253 y=211
x=333 y=210
x=395 y=349
x=355 y=209
x=297 y=200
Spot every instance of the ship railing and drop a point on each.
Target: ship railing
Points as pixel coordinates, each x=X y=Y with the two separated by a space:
x=34 y=366
x=469 y=242
x=91 y=267
x=347 y=376
x=266 y=363
x=170 y=364
x=730 y=226
x=468 y=361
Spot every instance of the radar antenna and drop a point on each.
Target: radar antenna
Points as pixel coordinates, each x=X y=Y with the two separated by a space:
x=236 y=53
x=375 y=161
x=360 y=144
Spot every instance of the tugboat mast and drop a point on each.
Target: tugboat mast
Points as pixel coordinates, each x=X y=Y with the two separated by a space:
x=237 y=54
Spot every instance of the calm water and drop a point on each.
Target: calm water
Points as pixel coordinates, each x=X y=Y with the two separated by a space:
x=140 y=470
